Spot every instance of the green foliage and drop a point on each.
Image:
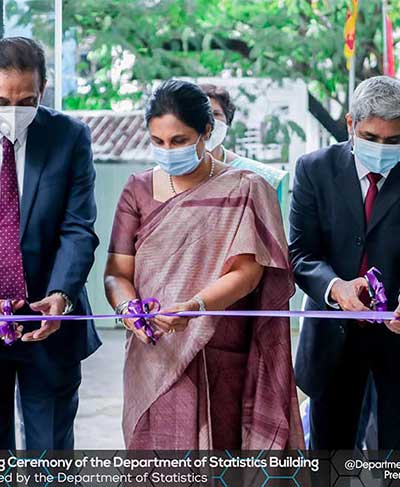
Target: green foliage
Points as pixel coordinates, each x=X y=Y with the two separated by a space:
x=277 y=130
x=236 y=132
x=275 y=39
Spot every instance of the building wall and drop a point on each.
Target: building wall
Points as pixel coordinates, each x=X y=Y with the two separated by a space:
x=288 y=100
x=110 y=180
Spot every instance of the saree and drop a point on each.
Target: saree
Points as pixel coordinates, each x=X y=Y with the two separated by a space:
x=220 y=375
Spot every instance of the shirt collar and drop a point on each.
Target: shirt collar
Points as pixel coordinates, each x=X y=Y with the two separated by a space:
x=21 y=139
x=362 y=171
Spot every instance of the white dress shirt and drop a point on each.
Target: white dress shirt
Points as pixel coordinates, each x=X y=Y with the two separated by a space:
x=20 y=159
x=362 y=173
x=20 y=155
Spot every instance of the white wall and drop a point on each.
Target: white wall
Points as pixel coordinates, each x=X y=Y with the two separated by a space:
x=290 y=98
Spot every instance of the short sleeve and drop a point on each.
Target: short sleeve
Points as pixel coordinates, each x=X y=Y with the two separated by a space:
x=126 y=222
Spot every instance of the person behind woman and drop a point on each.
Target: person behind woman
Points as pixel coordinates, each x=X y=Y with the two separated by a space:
x=197 y=235
x=224 y=112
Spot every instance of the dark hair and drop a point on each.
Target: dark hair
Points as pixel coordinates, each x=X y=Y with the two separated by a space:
x=23 y=54
x=223 y=98
x=184 y=100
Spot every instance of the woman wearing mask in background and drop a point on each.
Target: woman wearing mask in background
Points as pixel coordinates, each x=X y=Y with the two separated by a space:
x=197 y=235
x=224 y=111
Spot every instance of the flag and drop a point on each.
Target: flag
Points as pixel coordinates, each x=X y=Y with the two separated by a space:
x=350 y=32
x=389 y=69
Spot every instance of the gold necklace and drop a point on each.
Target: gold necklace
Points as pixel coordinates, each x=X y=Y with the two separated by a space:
x=171 y=183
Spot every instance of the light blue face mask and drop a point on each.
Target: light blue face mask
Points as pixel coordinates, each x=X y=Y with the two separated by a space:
x=180 y=161
x=378 y=158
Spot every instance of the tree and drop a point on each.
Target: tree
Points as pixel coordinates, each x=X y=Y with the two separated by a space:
x=262 y=38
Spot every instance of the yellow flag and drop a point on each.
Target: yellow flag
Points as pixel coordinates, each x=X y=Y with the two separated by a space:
x=350 y=32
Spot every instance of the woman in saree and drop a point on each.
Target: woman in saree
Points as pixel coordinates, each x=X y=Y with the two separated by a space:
x=197 y=235
x=224 y=112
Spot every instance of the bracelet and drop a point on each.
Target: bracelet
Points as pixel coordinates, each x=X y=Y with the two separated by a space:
x=120 y=310
x=122 y=307
x=199 y=300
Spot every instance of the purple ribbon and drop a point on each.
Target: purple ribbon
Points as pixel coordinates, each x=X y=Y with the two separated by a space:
x=8 y=329
x=140 y=309
x=335 y=315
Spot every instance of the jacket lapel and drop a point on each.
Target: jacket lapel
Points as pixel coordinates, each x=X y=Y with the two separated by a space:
x=35 y=158
x=387 y=197
x=348 y=185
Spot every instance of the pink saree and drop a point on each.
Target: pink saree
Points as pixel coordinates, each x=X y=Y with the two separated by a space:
x=223 y=383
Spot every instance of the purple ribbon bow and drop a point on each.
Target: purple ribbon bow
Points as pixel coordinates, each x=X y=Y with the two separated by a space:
x=376 y=290
x=139 y=306
x=8 y=329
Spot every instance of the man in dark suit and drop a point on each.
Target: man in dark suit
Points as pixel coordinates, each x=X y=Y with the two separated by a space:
x=345 y=218
x=47 y=244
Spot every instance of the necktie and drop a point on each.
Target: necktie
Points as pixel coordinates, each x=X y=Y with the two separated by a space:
x=372 y=193
x=12 y=281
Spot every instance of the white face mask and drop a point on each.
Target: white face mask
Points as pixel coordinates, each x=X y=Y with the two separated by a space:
x=218 y=135
x=15 y=120
x=378 y=158
x=180 y=161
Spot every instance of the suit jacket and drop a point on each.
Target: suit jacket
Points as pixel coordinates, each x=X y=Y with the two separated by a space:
x=328 y=237
x=57 y=238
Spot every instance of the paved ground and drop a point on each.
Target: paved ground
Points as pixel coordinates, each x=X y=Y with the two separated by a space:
x=98 y=423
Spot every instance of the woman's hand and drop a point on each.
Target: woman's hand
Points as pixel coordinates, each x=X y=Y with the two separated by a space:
x=171 y=324
x=129 y=324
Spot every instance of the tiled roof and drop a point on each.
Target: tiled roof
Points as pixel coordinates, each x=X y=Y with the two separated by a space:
x=122 y=136
x=118 y=136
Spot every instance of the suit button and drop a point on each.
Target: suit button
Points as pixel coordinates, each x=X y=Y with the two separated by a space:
x=341 y=328
x=359 y=241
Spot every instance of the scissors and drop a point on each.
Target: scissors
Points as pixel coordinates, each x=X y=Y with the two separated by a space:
x=139 y=306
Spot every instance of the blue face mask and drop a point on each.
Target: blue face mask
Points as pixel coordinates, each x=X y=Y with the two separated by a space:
x=178 y=162
x=378 y=158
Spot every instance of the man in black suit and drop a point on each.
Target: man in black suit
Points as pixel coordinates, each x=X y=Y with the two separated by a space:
x=47 y=244
x=345 y=218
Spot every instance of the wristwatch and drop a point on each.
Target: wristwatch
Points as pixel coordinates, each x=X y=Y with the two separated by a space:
x=68 y=303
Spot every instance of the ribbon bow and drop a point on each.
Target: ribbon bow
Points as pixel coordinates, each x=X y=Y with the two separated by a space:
x=376 y=290
x=8 y=329
x=139 y=306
